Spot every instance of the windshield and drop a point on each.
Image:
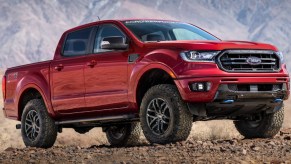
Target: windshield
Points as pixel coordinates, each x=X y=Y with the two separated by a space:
x=148 y=30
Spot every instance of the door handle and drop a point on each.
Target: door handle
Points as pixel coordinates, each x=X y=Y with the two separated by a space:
x=92 y=63
x=59 y=67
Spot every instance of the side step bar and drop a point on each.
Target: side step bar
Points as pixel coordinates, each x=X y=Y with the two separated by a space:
x=98 y=119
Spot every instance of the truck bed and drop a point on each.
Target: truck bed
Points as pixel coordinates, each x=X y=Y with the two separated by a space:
x=20 y=78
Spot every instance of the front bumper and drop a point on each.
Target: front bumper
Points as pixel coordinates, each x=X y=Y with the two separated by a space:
x=221 y=101
x=218 y=90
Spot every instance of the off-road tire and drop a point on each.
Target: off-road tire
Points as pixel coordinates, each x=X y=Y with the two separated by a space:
x=47 y=129
x=268 y=126
x=129 y=136
x=180 y=124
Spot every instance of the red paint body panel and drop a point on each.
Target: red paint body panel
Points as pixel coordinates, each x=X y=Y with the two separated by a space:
x=104 y=91
x=67 y=85
x=77 y=90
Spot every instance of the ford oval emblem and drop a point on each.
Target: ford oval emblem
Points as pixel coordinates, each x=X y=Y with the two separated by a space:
x=253 y=60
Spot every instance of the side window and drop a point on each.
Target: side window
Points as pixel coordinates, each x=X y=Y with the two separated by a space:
x=155 y=36
x=104 y=31
x=76 y=42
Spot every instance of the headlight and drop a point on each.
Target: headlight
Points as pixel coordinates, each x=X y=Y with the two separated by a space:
x=280 y=55
x=196 y=56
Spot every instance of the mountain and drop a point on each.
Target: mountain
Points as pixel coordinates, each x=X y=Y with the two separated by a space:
x=30 y=29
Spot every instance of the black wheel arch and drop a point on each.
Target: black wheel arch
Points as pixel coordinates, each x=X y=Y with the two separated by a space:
x=27 y=95
x=149 y=79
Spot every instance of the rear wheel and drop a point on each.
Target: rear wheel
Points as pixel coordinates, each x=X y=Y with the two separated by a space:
x=124 y=135
x=267 y=126
x=164 y=116
x=37 y=128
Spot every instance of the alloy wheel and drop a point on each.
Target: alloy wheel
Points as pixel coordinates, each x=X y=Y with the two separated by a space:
x=158 y=116
x=32 y=125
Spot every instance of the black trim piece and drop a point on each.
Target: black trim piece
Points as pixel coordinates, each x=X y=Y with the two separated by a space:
x=97 y=119
x=133 y=57
x=245 y=102
x=92 y=39
x=224 y=93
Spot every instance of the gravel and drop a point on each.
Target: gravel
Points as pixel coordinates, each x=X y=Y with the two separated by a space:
x=276 y=150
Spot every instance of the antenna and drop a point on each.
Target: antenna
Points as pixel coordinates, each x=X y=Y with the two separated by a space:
x=98 y=17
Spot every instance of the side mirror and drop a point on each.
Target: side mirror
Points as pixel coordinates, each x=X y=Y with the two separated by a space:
x=114 y=42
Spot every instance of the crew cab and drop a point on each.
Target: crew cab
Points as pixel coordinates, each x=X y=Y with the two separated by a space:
x=150 y=76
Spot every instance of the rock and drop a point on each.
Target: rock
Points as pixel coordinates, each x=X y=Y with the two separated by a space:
x=200 y=142
x=255 y=148
x=222 y=149
x=31 y=151
x=32 y=156
x=272 y=143
x=88 y=156
x=183 y=143
x=244 y=151
x=9 y=149
x=287 y=138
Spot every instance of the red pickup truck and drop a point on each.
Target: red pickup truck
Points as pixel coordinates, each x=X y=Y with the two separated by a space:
x=155 y=76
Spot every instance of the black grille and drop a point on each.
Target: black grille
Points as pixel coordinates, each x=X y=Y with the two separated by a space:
x=255 y=87
x=249 y=61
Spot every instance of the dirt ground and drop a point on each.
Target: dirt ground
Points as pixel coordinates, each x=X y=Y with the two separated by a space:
x=277 y=150
x=212 y=141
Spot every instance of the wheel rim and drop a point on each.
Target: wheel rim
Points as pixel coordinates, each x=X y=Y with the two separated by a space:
x=158 y=116
x=255 y=123
x=117 y=132
x=32 y=125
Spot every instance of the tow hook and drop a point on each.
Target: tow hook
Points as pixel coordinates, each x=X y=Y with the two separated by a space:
x=18 y=126
x=277 y=100
x=227 y=101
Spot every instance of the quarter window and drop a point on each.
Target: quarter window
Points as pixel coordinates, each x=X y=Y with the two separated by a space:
x=76 y=42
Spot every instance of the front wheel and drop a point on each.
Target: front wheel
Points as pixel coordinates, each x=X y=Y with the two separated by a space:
x=38 y=129
x=164 y=116
x=267 y=126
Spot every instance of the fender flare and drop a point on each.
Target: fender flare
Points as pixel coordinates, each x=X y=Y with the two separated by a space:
x=135 y=79
x=37 y=83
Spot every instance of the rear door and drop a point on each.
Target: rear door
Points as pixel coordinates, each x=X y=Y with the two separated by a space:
x=67 y=73
x=106 y=73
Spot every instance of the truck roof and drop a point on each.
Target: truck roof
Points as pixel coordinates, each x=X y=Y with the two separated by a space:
x=114 y=20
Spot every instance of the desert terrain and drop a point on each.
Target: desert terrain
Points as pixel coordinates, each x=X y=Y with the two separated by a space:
x=213 y=141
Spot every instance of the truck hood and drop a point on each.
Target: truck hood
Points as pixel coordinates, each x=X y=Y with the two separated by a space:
x=210 y=45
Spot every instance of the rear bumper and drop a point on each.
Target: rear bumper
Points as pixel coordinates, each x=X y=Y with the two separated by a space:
x=220 y=91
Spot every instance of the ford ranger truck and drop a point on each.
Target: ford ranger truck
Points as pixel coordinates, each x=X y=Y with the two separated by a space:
x=150 y=76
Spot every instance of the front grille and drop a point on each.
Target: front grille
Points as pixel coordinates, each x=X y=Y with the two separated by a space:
x=249 y=61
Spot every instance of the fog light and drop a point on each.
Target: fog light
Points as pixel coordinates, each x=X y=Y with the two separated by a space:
x=200 y=86
x=208 y=86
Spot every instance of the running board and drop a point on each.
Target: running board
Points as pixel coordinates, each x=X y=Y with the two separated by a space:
x=100 y=119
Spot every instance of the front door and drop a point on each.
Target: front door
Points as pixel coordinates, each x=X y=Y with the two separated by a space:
x=106 y=73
